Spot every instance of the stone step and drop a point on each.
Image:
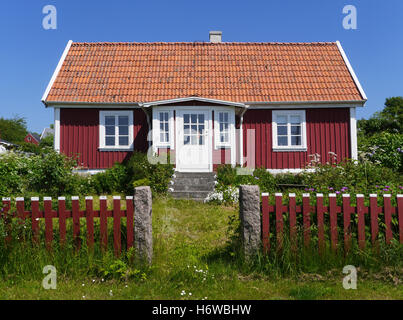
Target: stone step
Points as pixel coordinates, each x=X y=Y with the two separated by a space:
x=195 y=175
x=193 y=187
x=193 y=181
x=195 y=195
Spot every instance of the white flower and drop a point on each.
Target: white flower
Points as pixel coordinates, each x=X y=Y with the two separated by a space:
x=110 y=293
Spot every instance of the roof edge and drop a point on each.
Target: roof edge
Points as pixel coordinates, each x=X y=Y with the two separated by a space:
x=351 y=70
x=56 y=72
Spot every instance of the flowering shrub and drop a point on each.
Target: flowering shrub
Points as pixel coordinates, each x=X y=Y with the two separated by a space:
x=385 y=149
x=229 y=194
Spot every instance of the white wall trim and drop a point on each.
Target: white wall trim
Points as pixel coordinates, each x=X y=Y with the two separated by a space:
x=353 y=134
x=350 y=68
x=56 y=72
x=88 y=171
x=56 y=137
x=102 y=114
x=277 y=171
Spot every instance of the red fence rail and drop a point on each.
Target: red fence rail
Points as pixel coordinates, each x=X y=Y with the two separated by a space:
x=348 y=211
x=48 y=214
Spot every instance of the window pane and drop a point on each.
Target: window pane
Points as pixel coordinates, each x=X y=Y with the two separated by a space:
x=226 y=126
x=194 y=129
x=221 y=117
x=161 y=116
x=123 y=141
x=162 y=137
x=201 y=118
x=161 y=126
x=282 y=141
x=123 y=130
x=201 y=129
x=166 y=127
x=109 y=141
x=186 y=140
x=281 y=119
x=221 y=127
x=296 y=140
x=296 y=130
x=194 y=140
x=186 y=118
x=194 y=118
x=166 y=116
x=166 y=137
x=110 y=130
x=295 y=119
x=123 y=120
x=226 y=137
x=110 y=120
x=201 y=140
x=222 y=137
x=282 y=130
x=226 y=117
x=186 y=129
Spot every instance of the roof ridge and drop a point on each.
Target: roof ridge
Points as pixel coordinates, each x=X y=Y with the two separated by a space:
x=203 y=43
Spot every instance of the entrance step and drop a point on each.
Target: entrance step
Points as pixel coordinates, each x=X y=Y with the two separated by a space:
x=192 y=185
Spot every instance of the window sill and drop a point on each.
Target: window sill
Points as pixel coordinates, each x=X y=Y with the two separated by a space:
x=289 y=149
x=217 y=147
x=114 y=149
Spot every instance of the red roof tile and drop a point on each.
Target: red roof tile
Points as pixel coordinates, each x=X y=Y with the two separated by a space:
x=239 y=72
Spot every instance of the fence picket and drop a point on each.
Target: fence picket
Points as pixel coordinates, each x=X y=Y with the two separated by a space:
x=47 y=204
x=116 y=225
x=265 y=223
x=20 y=208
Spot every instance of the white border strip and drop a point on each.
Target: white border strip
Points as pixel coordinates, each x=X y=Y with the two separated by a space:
x=56 y=137
x=353 y=134
x=350 y=68
x=56 y=72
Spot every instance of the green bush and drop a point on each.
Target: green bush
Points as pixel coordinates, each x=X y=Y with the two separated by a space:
x=384 y=148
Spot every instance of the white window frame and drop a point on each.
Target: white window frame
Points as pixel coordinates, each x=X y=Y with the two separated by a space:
x=231 y=126
x=102 y=115
x=289 y=113
x=156 y=129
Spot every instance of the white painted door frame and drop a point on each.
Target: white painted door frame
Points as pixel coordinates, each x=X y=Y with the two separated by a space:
x=207 y=111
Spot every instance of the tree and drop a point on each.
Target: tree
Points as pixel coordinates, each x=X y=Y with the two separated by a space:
x=390 y=119
x=13 y=130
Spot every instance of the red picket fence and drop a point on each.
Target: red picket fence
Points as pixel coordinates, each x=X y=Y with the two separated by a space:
x=48 y=214
x=319 y=210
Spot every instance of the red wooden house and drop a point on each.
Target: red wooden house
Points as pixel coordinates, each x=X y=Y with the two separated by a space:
x=266 y=105
x=32 y=138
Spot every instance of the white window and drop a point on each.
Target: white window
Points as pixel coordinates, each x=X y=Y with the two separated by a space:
x=116 y=130
x=289 y=130
x=223 y=127
x=162 y=128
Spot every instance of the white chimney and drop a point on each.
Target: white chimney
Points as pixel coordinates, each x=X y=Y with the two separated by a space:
x=215 y=36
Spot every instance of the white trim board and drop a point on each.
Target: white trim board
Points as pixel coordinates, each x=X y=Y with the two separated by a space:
x=56 y=137
x=350 y=68
x=56 y=72
x=353 y=134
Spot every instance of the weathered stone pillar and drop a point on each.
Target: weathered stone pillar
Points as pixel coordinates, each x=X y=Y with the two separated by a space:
x=249 y=214
x=143 y=234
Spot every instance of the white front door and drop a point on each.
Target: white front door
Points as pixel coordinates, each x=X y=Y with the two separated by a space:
x=193 y=141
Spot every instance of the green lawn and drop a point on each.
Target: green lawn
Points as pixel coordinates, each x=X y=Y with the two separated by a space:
x=193 y=260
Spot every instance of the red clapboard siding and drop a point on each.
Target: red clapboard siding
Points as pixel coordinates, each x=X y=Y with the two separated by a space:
x=79 y=135
x=327 y=131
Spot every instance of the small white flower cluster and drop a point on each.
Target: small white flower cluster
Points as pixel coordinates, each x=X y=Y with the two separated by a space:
x=231 y=194
x=183 y=293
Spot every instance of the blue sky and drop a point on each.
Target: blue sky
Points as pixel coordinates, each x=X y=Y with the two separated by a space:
x=29 y=54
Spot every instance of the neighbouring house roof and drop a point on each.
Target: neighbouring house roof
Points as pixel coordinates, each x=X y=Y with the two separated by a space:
x=36 y=136
x=238 y=72
x=46 y=132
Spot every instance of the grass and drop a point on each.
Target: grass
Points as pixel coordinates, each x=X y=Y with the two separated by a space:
x=194 y=258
